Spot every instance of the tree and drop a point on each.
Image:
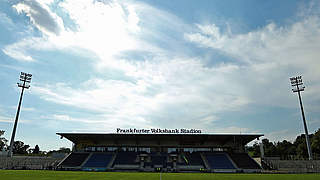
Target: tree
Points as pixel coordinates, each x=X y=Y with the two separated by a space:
x=269 y=148
x=20 y=148
x=301 y=146
x=61 y=150
x=315 y=142
x=36 y=150
x=3 y=141
x=64 y=150
x=254 y=150
x=285 y=149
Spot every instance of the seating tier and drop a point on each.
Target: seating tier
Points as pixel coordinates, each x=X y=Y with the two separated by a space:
x=74 y=159
x=219 y=161
x=127 y=158
x=99 y=160
x=244 y=161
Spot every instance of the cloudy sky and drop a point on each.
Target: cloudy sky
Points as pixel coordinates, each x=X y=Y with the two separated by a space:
x=219 y=66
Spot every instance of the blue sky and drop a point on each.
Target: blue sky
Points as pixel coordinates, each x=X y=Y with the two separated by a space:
x=219 y=66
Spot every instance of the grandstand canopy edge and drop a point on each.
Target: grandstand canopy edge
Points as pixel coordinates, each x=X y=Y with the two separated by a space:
x=160 y=140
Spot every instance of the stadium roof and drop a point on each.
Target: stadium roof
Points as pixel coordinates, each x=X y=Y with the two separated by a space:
x=161 y=140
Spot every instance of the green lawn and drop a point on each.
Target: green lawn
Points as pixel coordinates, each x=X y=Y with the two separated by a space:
x=70 y=175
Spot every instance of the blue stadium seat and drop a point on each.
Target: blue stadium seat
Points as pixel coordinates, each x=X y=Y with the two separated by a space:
x=219 y=161
x=99 y=160
x=159 y=160
x=74 y=159
x=195 y=159
x=244 y=161
x=127 y=158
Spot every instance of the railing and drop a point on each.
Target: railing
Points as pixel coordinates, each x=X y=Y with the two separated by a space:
x=28 y=162
x=297 y=166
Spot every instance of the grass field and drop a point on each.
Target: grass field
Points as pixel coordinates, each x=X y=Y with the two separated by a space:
x=76 y=175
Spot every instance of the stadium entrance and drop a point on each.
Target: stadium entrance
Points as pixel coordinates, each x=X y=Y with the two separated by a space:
x=159 y=152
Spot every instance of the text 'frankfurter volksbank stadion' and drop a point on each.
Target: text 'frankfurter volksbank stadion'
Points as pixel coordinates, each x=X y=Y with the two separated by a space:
x=159 y=131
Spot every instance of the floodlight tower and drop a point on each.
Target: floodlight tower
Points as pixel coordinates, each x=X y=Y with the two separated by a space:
x=25 y=79
x=297 y=84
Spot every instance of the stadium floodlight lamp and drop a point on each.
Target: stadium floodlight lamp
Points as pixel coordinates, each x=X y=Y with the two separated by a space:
x=297 y=83
x=25 y=79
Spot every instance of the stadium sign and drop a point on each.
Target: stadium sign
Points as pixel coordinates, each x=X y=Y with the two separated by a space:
x=158 y=131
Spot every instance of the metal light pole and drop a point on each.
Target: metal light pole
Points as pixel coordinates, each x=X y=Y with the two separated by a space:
x=25 y=79
x=297 y=83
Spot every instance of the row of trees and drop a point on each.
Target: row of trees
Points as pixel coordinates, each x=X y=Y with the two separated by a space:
x=24 y=149
x=288 y=150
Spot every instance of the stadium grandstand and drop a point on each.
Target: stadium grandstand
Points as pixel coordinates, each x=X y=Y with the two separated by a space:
x=159 y=152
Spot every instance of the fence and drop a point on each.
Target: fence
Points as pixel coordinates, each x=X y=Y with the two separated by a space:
x=28 y=162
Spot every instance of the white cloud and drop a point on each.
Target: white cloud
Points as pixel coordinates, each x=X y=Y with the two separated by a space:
x=41 y=16
x=97 y=123
x=268 y=44
x=24 y=108
x=270 y=56
x=169 y=88
x=16 y=54
x=234 y=130
x=281 y=135
x=21 y=50
x=5 y=119
x=106 y=29
x=110 y=29
x=176 y=91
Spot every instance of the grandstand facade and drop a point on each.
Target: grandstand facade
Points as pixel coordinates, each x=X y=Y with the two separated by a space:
x=159 y=152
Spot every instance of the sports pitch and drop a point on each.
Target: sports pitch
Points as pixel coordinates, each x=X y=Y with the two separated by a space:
x=78 y=175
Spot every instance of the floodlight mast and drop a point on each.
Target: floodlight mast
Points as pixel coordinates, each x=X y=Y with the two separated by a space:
x=25 y=79
x=297 y=83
